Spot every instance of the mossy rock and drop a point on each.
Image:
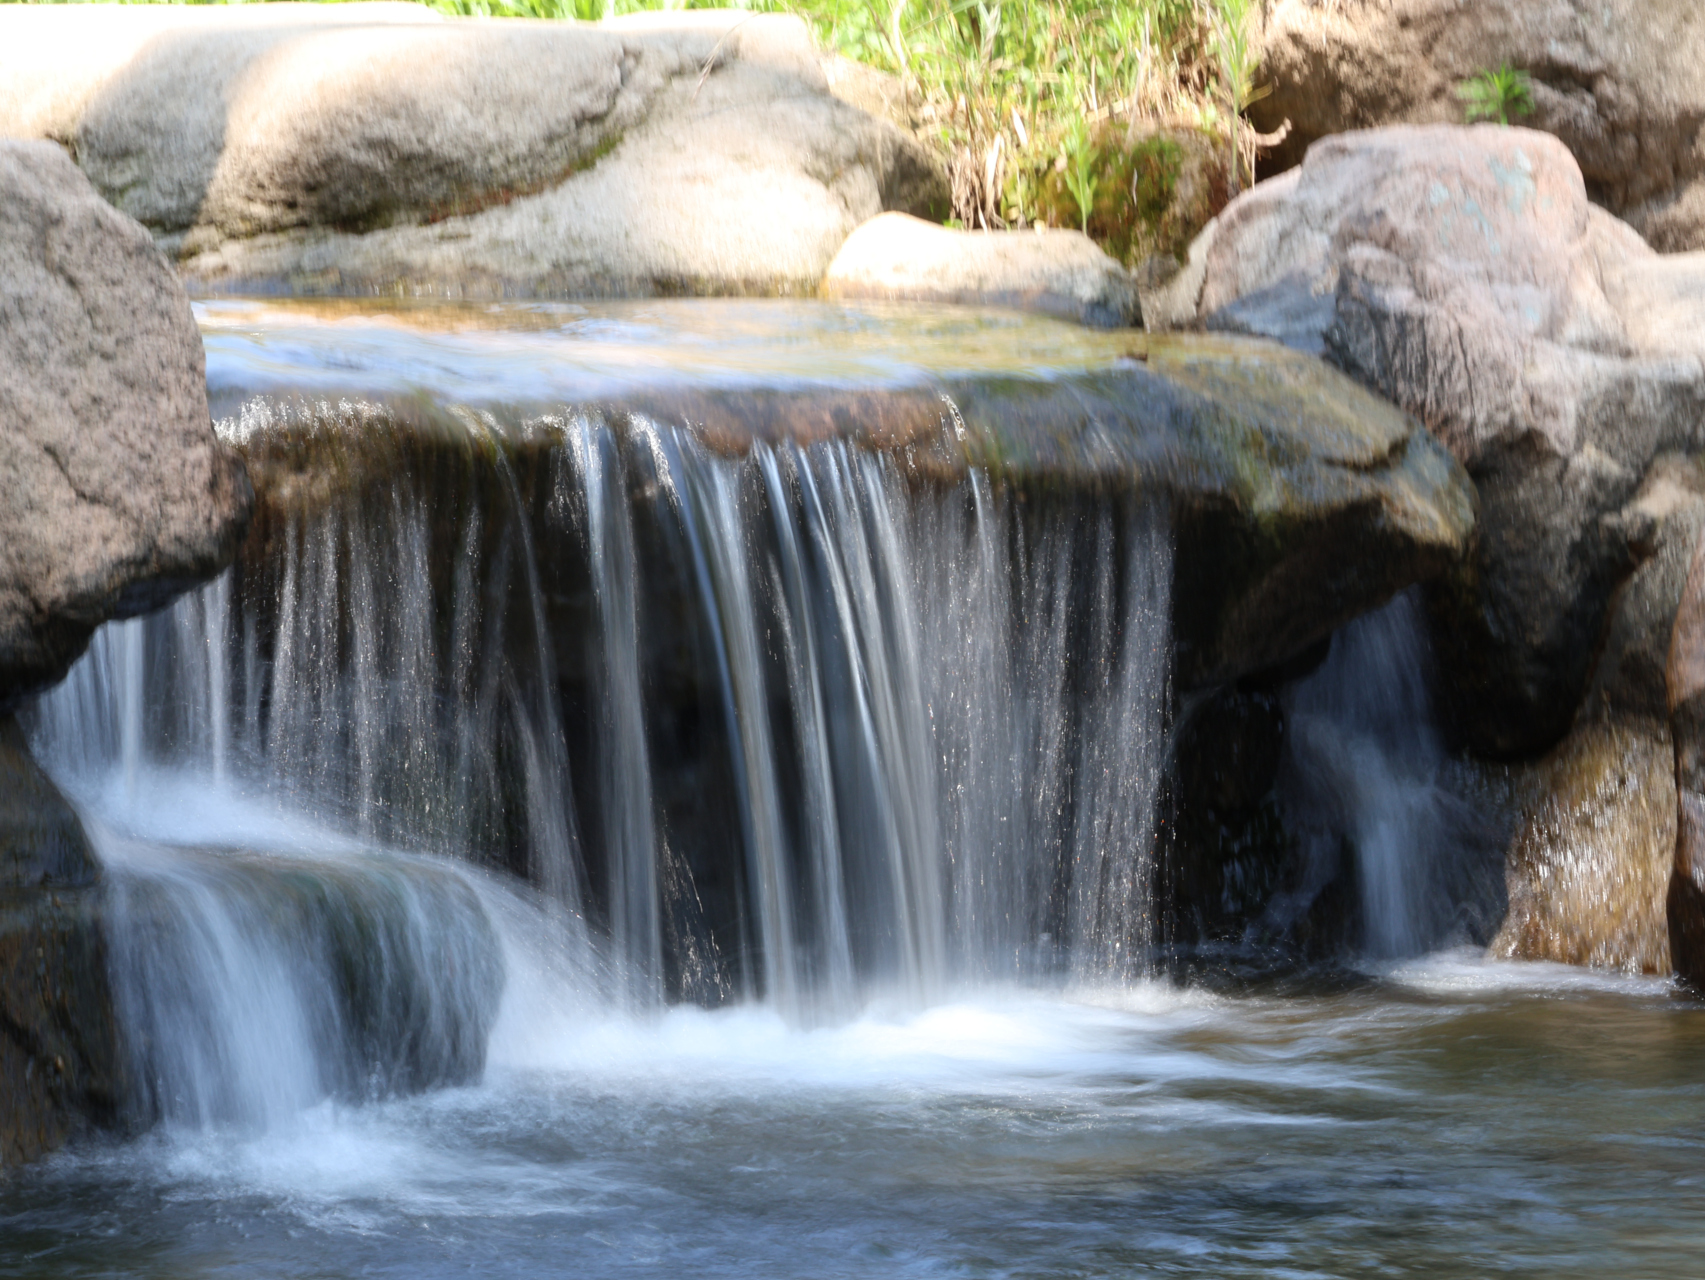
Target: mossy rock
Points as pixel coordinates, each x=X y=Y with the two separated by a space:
x=1156 y=188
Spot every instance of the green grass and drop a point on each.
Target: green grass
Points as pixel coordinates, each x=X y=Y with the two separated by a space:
x=1019 y=95
x=1016 y=91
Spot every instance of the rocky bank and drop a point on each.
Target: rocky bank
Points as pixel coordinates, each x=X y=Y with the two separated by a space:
x=1621 y=83
x=1465 y=274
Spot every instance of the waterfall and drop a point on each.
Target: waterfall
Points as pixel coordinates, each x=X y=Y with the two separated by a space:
x=1367 y=769
x=252 y=986
x=790 y=724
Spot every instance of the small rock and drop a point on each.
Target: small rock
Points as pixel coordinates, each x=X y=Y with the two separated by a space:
x=1059 y=273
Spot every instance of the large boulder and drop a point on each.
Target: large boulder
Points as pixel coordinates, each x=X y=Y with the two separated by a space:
x=896 y=257
x=1463 y=273
x=1620 y=82
x=118 y=494
x=359 y=149
x=1595 y=839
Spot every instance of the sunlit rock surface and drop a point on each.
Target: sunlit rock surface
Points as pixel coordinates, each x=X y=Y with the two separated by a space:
x=378 y=148
x=1620 y=82
x=897 y=258
x=118 y=495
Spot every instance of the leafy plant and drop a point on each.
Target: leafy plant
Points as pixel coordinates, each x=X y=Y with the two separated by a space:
x=1079 y=171
x=1239 y=57
x=1497 y=95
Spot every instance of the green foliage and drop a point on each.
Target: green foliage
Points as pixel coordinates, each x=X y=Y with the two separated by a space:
x=1080 y=171
x=1156 y=164
x=1497 y=95
x=1011 y=90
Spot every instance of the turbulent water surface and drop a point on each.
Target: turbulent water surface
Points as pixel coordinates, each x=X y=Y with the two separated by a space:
x=1444 y=1116
x=1448 y=1118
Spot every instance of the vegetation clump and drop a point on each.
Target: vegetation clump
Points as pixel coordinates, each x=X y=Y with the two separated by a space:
x=1496 y=95
x=1056 y=111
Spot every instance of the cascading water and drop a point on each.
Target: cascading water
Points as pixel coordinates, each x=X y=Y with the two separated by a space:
x=937 y=713
x=1367 y=770
x=519 y=734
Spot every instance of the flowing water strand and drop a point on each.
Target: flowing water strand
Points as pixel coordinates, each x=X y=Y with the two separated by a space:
x=593 y=466
x=1121 y=752
x=706 y=490
x=555 y=846
x=832 y=972
x=1367 y=768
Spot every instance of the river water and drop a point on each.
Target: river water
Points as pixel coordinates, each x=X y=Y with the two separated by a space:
x=368 y=1038
x=1444 y=1117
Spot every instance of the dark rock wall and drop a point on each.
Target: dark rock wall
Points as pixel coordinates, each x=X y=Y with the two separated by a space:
x=60 y=1065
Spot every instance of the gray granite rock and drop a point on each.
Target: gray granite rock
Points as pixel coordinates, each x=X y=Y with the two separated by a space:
x=1059 y=273
x=1620 y=82
x=119 y=495
x=357 y=149
x=1463 y=273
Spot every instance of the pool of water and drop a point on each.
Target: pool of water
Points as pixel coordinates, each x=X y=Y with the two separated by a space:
x=1446 y=1117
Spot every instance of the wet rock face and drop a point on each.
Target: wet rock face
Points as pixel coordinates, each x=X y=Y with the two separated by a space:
x=1278 y=498
x=1685 y=683
x=1463 y=274
x=1590 y=866
x=380 y=149
x=118 y=494
x=59 y=1060
x=1620 y=82
x=387 y=970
